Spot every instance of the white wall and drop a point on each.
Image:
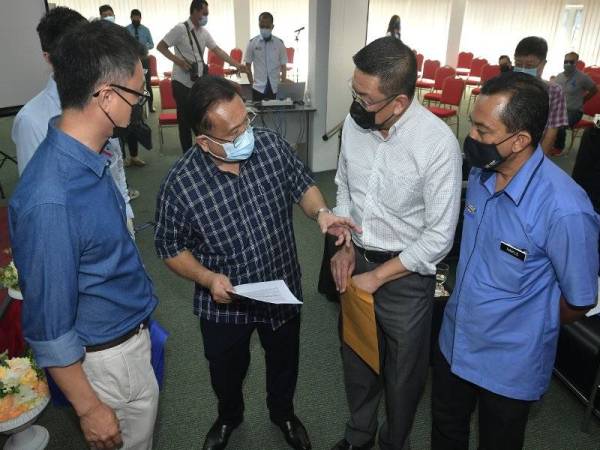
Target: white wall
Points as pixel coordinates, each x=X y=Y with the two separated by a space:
x=338 y=31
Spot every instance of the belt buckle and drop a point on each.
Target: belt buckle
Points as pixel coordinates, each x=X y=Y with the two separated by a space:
x=364 y=255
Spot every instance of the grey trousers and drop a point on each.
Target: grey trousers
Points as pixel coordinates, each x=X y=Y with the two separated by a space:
x=403 y=311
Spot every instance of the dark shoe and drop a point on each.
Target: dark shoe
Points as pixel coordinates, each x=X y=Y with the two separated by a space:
x=218 y=435
x=345 y=445
x=295 y=434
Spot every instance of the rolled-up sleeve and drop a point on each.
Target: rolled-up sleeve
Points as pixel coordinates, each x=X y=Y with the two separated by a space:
x=441 y=194
x=573 y=250
x=46 y=254
x=173 y=233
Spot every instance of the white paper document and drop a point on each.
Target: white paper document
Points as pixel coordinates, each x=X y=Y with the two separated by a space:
x=275 y=292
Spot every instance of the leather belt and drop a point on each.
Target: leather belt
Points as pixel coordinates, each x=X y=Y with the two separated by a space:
x=119 y=340
x=373 y=256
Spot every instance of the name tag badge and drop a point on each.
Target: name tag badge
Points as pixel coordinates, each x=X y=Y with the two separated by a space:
x=513 y=251
x=470 y=209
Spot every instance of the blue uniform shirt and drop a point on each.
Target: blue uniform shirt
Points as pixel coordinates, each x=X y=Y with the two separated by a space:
x=521 y=247
x=79 y=270
x=142 y=34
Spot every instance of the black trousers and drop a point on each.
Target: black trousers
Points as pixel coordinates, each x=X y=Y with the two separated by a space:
x=573 y=116
x=227 y=349
x=181 y=94
x=148 y=77
x=268 y=95
x=502 y=420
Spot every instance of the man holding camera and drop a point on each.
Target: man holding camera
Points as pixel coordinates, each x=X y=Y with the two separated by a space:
x=189 y=39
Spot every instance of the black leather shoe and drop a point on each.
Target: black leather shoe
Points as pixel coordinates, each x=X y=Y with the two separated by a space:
x=218 y=435
x=295 y=434
x=345 y=445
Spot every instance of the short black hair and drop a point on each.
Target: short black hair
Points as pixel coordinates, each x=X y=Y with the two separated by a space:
x=104 y=8
x=206 y=92
x=528 y=104
x=390 y=60
x=573 y=53
x=196 y=5
x=54 y=24
x=504 y=57
x=266 y=14
x=532 y=45
x=91 y=54
x=135 y=12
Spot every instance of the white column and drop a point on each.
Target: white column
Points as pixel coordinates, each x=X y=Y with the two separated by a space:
x=337 y=30
x=457 y=15
x=241 y=13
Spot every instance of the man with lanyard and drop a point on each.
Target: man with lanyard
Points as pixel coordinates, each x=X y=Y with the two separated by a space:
x=189 y=39
x=399 y=178
x=528 y=261
x=268 y=55
x=143 y=36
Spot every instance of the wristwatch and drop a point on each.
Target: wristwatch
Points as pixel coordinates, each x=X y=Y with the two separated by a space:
x=320 y=210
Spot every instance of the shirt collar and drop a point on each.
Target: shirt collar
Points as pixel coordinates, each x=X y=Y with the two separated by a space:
x=52 y=90
x=74 y=149
x=405 y=117
x=192 y=26
x=518 y=184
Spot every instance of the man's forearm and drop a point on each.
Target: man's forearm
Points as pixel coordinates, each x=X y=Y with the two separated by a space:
x=224 y=56
x=249 y=72
x=312 y=201
x=390 y=270
x=73 y=382
x=187 y=266
x=164 y=49
x=283 y=72
x=569 y=314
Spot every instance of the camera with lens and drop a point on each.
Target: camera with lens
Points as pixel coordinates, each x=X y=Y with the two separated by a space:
x=194 y=71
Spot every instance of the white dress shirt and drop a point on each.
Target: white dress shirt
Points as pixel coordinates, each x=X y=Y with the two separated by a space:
x=30 y=128
x=178 y=37
x=403 y=190
x=267 y=58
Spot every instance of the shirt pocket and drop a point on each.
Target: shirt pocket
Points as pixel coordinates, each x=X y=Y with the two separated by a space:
x=401 y=194
x=507 y=268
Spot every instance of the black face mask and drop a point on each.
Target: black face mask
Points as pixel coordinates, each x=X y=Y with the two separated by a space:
x=484 y=156
x=366 y=119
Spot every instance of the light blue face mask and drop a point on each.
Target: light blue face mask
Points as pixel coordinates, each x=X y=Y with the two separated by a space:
x=265 y=33
x=532 y=72
x=203 y=21
x=110 y=18
x=238 y=150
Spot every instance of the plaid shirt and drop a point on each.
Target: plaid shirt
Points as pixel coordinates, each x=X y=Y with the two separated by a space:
x=239 y=226
x=557 y=114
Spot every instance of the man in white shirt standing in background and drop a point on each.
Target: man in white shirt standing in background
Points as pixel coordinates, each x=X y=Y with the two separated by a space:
x=31 y=123
x=399 y=178
x=269 y=56
x=189 y=39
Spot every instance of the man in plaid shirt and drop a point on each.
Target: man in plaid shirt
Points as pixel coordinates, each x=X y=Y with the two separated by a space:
x=224 y=217
x=530 y=58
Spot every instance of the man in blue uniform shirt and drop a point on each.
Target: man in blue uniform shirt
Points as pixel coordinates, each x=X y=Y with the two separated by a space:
x=528 y=260
x=88 y=295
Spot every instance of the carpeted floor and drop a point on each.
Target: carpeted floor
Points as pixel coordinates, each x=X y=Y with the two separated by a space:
x=187 y=405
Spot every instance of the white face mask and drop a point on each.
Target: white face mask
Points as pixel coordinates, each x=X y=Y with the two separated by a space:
x=109 y=18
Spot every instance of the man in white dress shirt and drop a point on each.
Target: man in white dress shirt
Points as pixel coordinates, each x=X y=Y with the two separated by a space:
x=399 y=178
x=189 y=40
x=268 y=55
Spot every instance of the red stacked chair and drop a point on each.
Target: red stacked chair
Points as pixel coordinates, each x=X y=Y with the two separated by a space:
x=488 y=72
x=440 y=76
x=427 y=80
x=590 y=108
x=463 y=67
x=167 y=101
x=474 y=78
x=452 y=94
x=153 y=70
x=236 y=55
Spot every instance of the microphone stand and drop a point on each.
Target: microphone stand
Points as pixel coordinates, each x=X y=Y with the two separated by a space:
x=297 y=51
